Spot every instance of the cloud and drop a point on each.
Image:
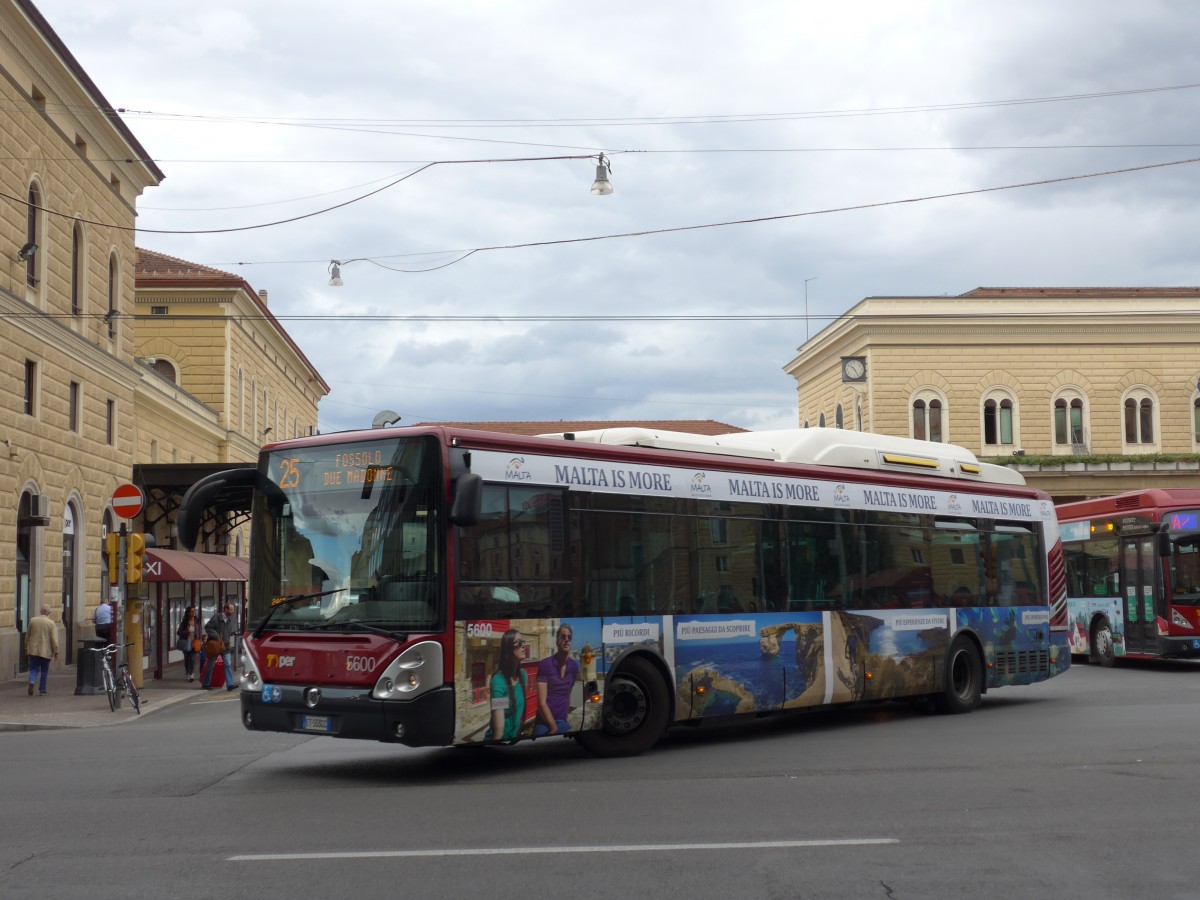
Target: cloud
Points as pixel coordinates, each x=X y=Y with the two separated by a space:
x=775 y=108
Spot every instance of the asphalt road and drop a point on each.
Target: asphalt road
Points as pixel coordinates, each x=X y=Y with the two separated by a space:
x=1081 y=787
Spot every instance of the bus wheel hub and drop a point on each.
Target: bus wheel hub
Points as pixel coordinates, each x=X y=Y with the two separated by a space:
x=625 y=706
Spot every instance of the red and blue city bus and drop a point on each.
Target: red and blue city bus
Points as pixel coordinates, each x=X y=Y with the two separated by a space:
x=1133 y=574
x=438 y=586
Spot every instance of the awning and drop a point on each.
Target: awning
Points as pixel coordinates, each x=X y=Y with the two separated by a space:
x=180 y=565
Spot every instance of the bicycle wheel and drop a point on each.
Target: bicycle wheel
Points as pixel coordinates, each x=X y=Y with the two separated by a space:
x=131 y=692
x=110 y=687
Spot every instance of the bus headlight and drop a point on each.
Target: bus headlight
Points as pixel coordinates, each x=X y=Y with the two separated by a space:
x=416 y=670
x=250 y=680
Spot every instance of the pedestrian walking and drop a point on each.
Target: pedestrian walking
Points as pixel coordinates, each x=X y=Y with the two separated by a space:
x=187 y=637
x=41 y=646
x=220 y=634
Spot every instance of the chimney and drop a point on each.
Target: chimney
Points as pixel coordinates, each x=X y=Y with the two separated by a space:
x=262 y=295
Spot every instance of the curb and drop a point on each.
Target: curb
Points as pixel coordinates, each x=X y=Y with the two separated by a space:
x=95 y=718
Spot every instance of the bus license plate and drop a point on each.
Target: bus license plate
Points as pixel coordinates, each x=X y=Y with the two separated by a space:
x=315 y=723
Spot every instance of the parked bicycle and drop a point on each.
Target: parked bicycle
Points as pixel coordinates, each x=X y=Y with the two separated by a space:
x=114 y=682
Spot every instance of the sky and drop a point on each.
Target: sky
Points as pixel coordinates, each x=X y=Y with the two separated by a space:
x=665 y=299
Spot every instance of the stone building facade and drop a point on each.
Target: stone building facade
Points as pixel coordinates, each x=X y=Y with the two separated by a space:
x=67 y=251
x=1068 y=373
x=100 y=386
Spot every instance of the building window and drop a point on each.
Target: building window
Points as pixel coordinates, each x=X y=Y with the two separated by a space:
x=32 y=220
x=1139 y=418
x=998 y=421
x=1196 y=420
x=110 y=415
x=110 y=317
x=73 y=407
x=838 y=419
x=1068 y=421
x=30 y=387
x=929 y=418
x=77 y=256
x=165 y=369
x=158 y=311
x=821 y=421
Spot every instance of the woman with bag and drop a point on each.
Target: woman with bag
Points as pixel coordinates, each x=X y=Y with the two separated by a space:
x=188 y=641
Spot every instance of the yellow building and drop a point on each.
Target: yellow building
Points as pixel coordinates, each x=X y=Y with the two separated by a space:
x=85 y=409
x=1102 y=380
x=66 y=297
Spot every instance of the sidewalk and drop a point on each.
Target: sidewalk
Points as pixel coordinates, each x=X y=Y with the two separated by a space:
x=63 y=708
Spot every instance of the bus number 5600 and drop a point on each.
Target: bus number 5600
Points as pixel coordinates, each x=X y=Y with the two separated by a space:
x=360 y=664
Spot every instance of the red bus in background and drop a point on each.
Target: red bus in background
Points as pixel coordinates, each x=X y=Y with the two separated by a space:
x=1133 y=575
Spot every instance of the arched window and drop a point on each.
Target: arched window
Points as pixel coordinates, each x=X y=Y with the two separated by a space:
x=32 y=233
x=77 y=260
x=929 y=418
x=838 y=419
x=1069 y=429
x=821 y=421
x=110 y=316
x=165 y=369
x=1196 y=420
x=1139 y=419
x=998 y=421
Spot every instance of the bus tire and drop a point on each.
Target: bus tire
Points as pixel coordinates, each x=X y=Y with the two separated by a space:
x=1103 y=650
x=635 y=712
x=963 y=690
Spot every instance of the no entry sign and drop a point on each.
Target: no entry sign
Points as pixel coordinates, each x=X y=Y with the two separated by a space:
x=127 y=501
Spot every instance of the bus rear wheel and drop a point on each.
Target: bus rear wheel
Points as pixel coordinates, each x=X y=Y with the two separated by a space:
x=963 y=690
x=1103 y=650
x=635 y=712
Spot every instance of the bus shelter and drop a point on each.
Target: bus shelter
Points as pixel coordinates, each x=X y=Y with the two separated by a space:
x=173 y=580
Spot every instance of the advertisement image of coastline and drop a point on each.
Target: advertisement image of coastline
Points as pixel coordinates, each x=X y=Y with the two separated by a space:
x=790 y=661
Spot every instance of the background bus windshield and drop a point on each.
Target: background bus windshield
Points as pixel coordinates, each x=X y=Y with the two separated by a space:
x=353 y=529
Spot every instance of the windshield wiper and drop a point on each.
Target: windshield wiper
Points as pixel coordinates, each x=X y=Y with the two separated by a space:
x=347 y=624
x=279 y=602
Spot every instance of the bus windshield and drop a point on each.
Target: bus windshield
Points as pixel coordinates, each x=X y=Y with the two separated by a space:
x=1184 y=530
x=345 y=538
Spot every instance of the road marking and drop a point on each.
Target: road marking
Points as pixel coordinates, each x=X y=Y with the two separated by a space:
x=520 y=851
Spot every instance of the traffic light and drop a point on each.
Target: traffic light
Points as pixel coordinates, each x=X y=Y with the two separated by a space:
x=113 y=551
x=135 y=549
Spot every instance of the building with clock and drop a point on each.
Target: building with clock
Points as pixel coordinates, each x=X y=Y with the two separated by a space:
x=1104 y=381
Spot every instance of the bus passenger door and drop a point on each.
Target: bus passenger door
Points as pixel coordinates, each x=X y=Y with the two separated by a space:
x=1139 y=579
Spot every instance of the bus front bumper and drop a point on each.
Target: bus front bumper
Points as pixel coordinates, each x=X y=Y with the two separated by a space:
x=427 y=720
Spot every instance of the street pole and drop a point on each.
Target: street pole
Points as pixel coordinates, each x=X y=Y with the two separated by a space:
x=118 y=626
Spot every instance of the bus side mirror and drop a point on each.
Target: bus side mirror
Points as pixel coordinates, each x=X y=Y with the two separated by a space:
x=467 y=506
x=1164 y=543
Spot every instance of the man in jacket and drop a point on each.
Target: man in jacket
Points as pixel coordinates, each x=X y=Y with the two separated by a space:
x=222 y=627
x=41 y=646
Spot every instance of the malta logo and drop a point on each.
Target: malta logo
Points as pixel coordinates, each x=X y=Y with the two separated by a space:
x=700 y=485
x=515 y=470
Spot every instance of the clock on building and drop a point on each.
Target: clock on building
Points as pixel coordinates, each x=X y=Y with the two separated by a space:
x=854 y=368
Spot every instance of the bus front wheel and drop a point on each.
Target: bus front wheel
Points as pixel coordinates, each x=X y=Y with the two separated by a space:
x=1103 y=648
x=964 y=679
x=634 y=715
